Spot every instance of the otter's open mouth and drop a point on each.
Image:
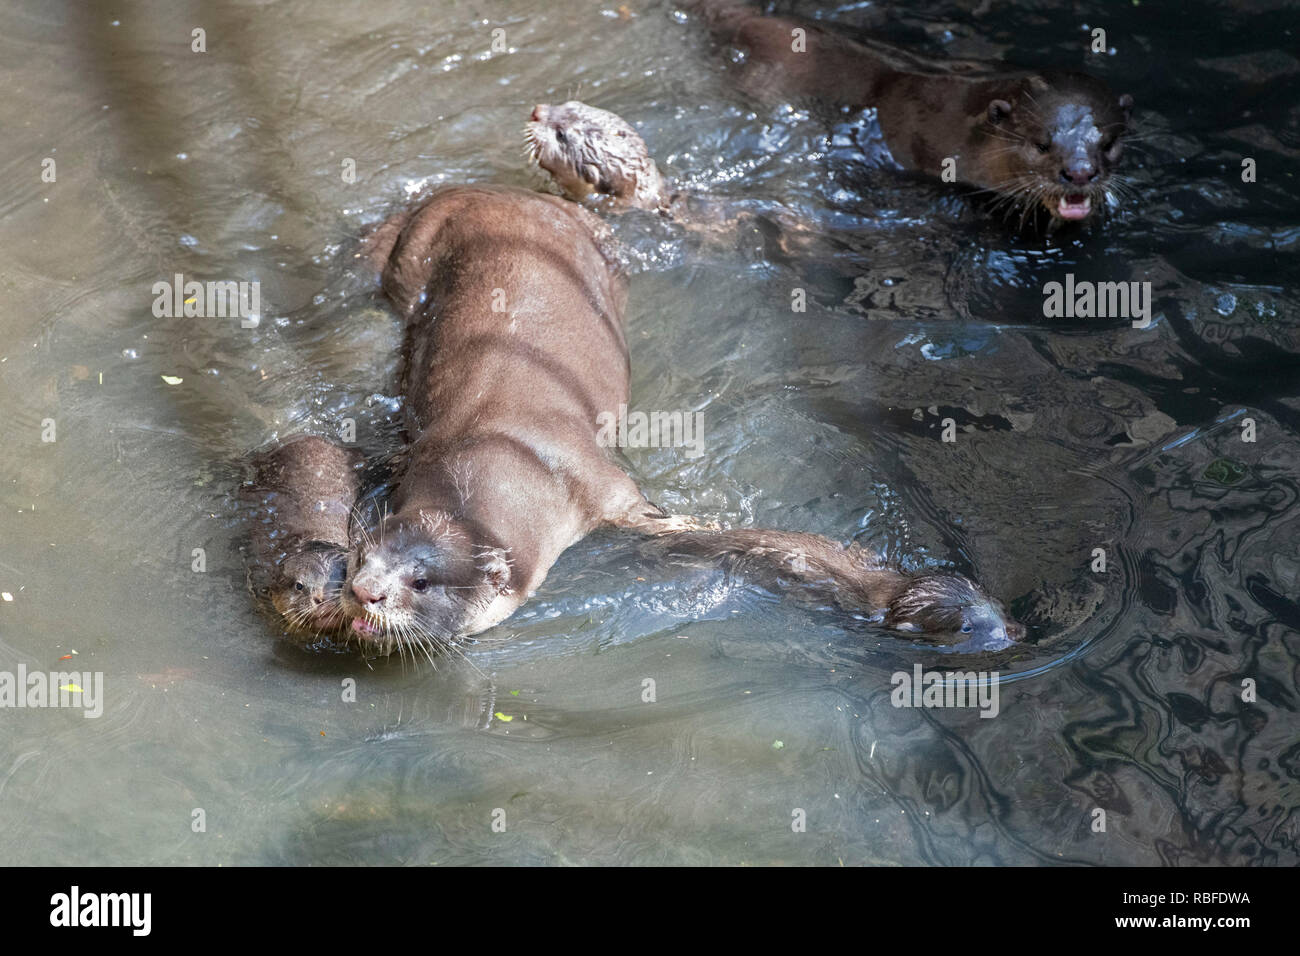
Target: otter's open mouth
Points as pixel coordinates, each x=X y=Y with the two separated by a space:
x=365 y=628
x=1074 y=206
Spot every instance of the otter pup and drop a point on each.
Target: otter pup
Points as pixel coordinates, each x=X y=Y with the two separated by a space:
x=1048 y=139
x=586 y=149
x=304 y=490
x=942 y=604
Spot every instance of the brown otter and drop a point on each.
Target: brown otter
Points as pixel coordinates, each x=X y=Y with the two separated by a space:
x=586 y=149
x=304 y=490
x=515 y=347
x=1046 y=138
x=945 y=605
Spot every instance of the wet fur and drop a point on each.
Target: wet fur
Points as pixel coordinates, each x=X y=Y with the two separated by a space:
x=853 y=578
x=992 y=120
x=586 y=150
x=504 y=471
x=303 y=492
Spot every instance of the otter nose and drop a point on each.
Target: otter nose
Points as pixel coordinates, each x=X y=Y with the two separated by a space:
x=1080 y=174
x=1015 y=630
x=364 y=596
x=538 y=112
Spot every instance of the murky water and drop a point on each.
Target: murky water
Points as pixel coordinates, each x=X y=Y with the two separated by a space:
x=1075 y=435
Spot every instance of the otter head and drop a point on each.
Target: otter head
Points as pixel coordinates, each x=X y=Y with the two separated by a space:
x=950 y=604
x=307 y=588
x=1061 y=143
x=422 y=582
x=586 y=150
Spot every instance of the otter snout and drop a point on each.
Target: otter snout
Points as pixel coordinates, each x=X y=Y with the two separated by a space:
x=366 y=597
x=989 y=628
x=1079 y=174
x=539 y=113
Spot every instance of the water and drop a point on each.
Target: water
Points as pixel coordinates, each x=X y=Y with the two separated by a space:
x=1075 y=435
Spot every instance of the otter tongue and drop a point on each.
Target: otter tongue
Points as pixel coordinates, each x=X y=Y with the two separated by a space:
x=1074 y=206
x=362 y=626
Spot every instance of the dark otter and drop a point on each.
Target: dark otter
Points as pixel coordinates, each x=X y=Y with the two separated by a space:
x=586 y=149
x=515 y=347
x=304 y=490
x=945 y=605
x=1047 y=138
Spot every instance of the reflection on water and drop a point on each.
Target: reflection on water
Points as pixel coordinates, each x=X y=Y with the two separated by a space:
x=1074 y=436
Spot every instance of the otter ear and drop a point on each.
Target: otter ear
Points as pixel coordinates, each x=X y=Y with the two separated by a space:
x=495 y=566
x=1126 y=104
x=591 y=173
x=998 y=111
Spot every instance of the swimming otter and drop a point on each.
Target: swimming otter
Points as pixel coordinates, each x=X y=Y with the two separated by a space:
x=586 y=149
x=944 y=605
x=1047 y=138
x=304 y=490
x=515 y=346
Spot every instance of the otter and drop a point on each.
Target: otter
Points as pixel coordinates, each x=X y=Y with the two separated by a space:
x=586 y=149
x=515 y=344
x=304 y=490
x=1049 y=139
x=514 y=304
x=943 y=605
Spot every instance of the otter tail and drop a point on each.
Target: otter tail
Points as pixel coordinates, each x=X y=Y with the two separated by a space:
x=791 y=561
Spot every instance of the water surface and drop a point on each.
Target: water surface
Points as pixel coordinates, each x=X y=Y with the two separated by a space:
x=1074 y=435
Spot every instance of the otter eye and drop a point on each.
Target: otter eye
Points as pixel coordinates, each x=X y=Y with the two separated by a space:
x=560 y=137
x=966 y=627
x=419 y=584
x=297 y=585
x=1043 y=147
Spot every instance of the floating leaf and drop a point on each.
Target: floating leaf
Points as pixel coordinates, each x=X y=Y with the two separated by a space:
x=172 y=379
x=500 y=716
x=1225 y=471
x=71 y=687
